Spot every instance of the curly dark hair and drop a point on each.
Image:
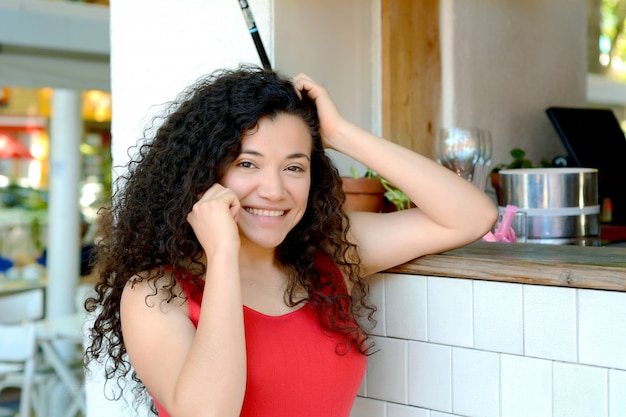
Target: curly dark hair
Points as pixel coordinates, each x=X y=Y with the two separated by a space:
x=198 y=137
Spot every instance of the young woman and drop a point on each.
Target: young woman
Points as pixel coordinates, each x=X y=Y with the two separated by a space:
x=230 y=276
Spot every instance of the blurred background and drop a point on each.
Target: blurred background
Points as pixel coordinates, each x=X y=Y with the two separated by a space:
x=34 y=61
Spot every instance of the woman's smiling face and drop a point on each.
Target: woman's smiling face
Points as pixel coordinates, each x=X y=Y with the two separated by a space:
x=272 y=178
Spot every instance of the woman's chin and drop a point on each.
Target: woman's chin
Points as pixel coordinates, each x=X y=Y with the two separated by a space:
x=264 y=242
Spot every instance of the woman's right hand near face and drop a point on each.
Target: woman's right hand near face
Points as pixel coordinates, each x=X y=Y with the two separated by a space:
x=187 y=379
x=214 y=219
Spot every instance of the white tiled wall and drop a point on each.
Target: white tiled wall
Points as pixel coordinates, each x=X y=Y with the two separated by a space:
x=458 y=347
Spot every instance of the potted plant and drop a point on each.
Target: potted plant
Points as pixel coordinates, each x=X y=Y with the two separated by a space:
x=363 y=193
x=370 y=192
x=395 y=196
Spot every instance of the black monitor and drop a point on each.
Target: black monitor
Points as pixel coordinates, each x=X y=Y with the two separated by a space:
x=594 y=138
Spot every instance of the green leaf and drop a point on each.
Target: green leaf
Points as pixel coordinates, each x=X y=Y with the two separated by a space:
x=369 y=174
x=517 y=154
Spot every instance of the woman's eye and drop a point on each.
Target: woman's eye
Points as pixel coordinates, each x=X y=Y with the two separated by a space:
x=246 y=164
x=294 y=168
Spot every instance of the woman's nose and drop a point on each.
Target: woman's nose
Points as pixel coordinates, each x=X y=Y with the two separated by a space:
x=271 y=186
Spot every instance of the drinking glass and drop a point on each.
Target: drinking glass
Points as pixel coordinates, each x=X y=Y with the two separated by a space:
x=482 y=166
x=458 y=149
x=486 y=147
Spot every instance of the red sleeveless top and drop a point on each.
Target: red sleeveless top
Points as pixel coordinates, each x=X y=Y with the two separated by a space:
x=293 y=367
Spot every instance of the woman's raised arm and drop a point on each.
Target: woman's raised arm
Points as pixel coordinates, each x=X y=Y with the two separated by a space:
x=451 y=212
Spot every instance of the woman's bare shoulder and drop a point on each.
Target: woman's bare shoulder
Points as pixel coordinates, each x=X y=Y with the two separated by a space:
x=152 y=323
x=149 y=289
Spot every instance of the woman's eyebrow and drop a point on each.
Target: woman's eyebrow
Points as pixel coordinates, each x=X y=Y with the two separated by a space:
x=298 y=155
x=251 y=152
x=295 y=155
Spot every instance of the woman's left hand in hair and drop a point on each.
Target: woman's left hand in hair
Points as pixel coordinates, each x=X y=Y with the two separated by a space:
x=330 y=119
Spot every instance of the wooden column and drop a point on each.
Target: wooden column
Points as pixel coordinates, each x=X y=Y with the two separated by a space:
x=411 y=67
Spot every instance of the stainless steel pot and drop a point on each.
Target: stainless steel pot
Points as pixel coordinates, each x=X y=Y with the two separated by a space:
x=561 y=204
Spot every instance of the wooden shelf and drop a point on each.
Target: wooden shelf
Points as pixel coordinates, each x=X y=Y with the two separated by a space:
x=601 y=268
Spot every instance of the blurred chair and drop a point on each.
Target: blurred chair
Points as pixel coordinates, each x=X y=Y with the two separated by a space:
x=24 y=309
x=22 y=306
x=18 y=356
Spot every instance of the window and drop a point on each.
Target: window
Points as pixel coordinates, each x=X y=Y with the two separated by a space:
x=606 y=57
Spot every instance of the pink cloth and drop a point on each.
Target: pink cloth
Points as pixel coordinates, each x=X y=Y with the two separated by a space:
x=504 y=231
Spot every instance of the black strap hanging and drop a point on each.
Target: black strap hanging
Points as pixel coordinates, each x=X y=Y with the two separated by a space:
x=254 y=32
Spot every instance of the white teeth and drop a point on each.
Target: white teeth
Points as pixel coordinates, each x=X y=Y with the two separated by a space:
x=267 y=213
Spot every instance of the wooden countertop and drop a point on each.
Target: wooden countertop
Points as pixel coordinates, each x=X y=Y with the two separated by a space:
x=557 y=265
